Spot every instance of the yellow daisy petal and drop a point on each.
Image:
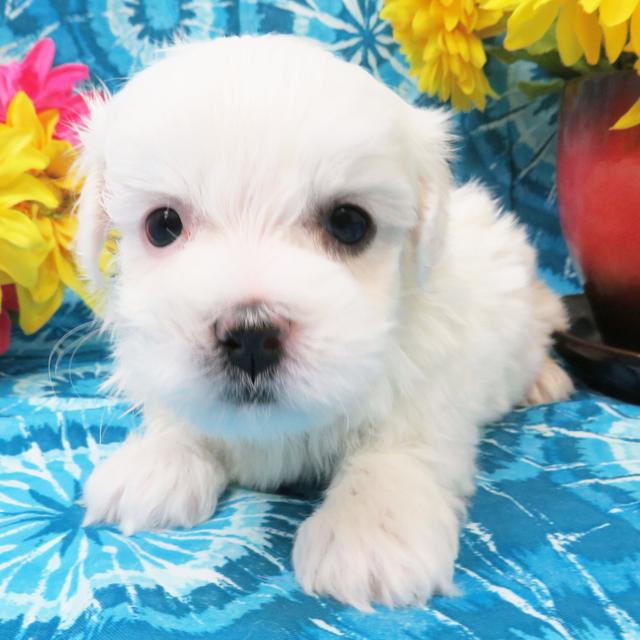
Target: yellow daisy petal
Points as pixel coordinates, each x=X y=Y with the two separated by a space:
x=422 y=23
x=29 y=188
x=635 y=31
x=476 y=52
x=49 y=120
x=21 y=266
x=62 y=158
x=48 y=281
x=34 y=315
x=589 y=34
x=568 y=44
x=451 y=19
x=462 y=44
x=20 y=230
x=440 y=40
x=590 y=5
x=64 y=230
x=17 y=155
x=487 y=19
x=527 y=24
x=21 y=114
x=22 y=247
x=69 y=275
x=614 y=40
x=630 y=119
x=500 y=5
x=613 y=12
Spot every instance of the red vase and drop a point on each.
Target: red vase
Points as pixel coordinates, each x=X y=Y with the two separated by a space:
x=598 y=179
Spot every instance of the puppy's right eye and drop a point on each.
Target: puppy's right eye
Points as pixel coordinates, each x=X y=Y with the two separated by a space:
x=163 y=226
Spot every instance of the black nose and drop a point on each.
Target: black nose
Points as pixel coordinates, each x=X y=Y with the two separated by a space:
x=253 y=349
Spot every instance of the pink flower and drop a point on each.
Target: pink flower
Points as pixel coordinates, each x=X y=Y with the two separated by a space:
x=48 y=87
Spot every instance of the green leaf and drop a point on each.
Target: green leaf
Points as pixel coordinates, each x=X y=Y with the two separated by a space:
x=536 y=89
x=549 y=61
x=546 y=44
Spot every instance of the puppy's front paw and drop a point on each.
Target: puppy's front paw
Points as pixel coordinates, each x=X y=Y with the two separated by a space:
x=552 y=385
x=154 y=482
x=362 y=555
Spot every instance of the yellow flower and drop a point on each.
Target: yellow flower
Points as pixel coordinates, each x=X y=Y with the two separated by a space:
x=632 y=117
x=37 y=193
x=22 y=248
x=581 y=28
x=442 y=39
x=577 y=29
x=39 y=302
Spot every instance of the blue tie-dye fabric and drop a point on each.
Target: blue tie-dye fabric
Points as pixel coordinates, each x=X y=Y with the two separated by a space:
x=552 y=545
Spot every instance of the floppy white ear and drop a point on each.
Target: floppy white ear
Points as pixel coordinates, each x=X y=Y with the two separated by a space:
x=434 y=139
x=93 y=222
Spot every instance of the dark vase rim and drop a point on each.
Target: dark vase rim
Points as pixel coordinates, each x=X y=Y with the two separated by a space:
x=600 y=75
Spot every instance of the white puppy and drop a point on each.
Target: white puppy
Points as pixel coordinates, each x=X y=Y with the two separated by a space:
x=302 y=294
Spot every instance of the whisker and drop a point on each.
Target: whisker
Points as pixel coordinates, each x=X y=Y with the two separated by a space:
x=60 y=349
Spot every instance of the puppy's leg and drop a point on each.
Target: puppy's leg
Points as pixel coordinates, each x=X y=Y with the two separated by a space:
x=387 y=532
x=166 y=477
x=552 y=385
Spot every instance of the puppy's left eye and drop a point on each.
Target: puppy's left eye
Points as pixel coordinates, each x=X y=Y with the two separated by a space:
x=163 y=226
x=348 y=224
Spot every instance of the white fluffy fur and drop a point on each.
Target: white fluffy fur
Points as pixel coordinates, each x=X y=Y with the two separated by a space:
x=397 y=355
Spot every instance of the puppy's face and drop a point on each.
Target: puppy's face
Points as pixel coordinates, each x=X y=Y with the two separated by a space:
x=273 y=204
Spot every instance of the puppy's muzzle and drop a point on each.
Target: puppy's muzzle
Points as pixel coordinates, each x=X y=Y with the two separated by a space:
x=252 y=340
x=253 y=349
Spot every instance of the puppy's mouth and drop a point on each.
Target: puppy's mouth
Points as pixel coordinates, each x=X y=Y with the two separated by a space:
x=242 y=389
x=250 y=343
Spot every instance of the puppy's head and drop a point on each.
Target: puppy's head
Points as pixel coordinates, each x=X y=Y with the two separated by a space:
x=273 y=206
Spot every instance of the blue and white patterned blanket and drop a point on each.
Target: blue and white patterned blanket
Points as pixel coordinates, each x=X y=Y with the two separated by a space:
x=552 y=545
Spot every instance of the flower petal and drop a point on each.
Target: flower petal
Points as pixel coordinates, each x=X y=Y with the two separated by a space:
x=21 y=265
x=487 y=19
x=476 y=51
x=60 y=82
x=64 y=230
x=34 y=315
x=36 y=66
x=589 y=34
x=49 y=120
x=29 y=188
x=17 y=154
x=9 y=79
x=69 y=275
x=21 y=114
x=630 y=119
x=635 y=31
x=527 y=24
x=568 y=44
x=590 y=5
x=20 y=230
x=500 y=5
x=613 y=12
x=48 y=280
x=614 y=40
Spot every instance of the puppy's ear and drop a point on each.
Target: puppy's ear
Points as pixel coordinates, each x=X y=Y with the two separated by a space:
x=93 y=222
x=432 y=135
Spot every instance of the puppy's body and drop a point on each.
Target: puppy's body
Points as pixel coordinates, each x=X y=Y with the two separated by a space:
x=476 y=345
x=397 y=353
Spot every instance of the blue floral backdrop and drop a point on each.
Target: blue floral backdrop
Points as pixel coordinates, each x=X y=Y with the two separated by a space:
x=551 y=547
